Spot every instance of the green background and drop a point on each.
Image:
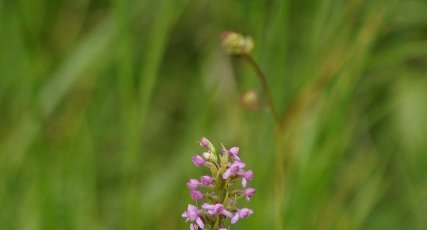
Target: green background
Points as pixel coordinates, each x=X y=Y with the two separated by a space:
x=102 y=104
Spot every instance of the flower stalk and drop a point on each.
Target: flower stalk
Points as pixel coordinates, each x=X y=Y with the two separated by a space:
x=239 y=45
x=265 y=87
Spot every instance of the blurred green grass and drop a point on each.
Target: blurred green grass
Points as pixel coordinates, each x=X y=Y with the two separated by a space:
x=102 y=104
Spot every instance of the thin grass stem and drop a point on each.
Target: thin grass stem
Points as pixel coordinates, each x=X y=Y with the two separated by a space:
x=266 y=88
x=279 y=144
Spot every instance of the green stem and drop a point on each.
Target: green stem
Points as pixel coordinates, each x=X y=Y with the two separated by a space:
x=280 y=166
x=216 y=226
x=265 y=87
x=280 y=179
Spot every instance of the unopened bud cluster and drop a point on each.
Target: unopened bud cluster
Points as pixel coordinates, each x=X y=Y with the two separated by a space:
x=237 y=44
x=219 y=193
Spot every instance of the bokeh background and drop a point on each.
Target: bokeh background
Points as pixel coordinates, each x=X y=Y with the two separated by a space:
x=102 y=104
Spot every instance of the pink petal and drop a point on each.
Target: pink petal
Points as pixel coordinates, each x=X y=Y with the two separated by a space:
x=200 y=223
x=235 y=218
x=227 y=174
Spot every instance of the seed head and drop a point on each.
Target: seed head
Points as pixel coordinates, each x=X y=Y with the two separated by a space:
x=237 y=44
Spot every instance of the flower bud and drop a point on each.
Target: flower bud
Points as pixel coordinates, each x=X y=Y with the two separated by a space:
x=250 y=99
x=193 y=184
x=198 y=160
x=206 y=180
x=237 y=44
x=206 y=155
x=204 y=142
x=196 y=195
